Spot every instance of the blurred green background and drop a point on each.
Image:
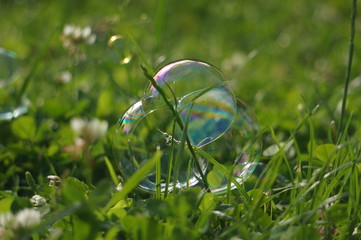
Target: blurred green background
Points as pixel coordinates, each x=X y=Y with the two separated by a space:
x=283 y=58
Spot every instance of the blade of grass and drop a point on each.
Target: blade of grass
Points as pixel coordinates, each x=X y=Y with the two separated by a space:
x=224 y=171
x=134 y=180
x=349 y=66
x=158 y=190
x=159 y=21
x=179 y=155
x=140 y=52
x=111 y=171
x=170 y=163
x=281 y=150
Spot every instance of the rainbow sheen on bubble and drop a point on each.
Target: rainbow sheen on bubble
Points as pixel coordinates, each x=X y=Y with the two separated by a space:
x=216 y=123
x=237 y=150
x=211 y=115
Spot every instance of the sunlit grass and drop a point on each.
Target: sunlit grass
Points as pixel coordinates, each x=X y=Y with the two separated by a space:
x=306 y=184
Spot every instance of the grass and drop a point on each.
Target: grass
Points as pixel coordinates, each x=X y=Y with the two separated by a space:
x=307 y=181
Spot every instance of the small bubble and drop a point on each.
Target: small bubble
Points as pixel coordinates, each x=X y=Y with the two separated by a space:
x=10 y=107
x=121 y=49
x=9 y=66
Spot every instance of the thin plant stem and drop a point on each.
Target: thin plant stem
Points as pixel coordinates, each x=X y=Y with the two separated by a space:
x=170 y=164
x=159 y=23
x=349 y=65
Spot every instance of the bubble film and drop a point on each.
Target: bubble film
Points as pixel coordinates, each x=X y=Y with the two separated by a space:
x=237 y=150
x=215 y=121
x=8 y=67
x=121 y=49
x=10 y=108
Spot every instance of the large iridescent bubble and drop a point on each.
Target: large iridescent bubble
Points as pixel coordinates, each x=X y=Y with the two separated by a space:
x=216 y=122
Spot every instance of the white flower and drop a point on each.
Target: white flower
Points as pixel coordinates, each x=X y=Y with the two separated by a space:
x=65 y=77
x=96 y=129
x=38 y=201
x=77 y=124
x=40 y=204
x=91 y=39
x=68 y=30
x=26 y=218
x=86 y=32
x=54 y=180
x=90 y=131
x=5 y=219
x=75 y=35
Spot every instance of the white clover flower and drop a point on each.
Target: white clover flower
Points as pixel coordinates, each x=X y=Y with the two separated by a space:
x=68 y=30
x=65 y=77
x=77 y=33
x=5 y=219
x=77 y=125
x=26 y=218
x=86 y=32
x=74 y=35
x=91 y=39
x=90 y=131
x=95 y=129
x=54 y=180
x=40 y=204
x=38 y=201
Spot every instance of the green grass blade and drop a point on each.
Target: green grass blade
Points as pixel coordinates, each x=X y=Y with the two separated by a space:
x=111 y=170
x=142 y=57
x=170 y=163
x=180 y=151
x=159 y=21
x=134 y=180
x=224 y=171
x=158 y=173
x=349 y=65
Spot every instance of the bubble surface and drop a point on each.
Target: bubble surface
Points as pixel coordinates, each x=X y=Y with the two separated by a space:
x=204 y=105
x=121 y=49
x=237 y=150
x=10 y=108
x=9 y=65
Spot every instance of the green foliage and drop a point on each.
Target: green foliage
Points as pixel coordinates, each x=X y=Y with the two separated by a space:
x=287 y=60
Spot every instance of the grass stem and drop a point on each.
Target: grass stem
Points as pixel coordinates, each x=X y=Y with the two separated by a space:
x=349 y=66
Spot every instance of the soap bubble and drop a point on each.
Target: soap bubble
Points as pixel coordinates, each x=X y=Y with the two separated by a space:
x=216 y=123
x=9 y=69
x=9 y=66
x=121 y=49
